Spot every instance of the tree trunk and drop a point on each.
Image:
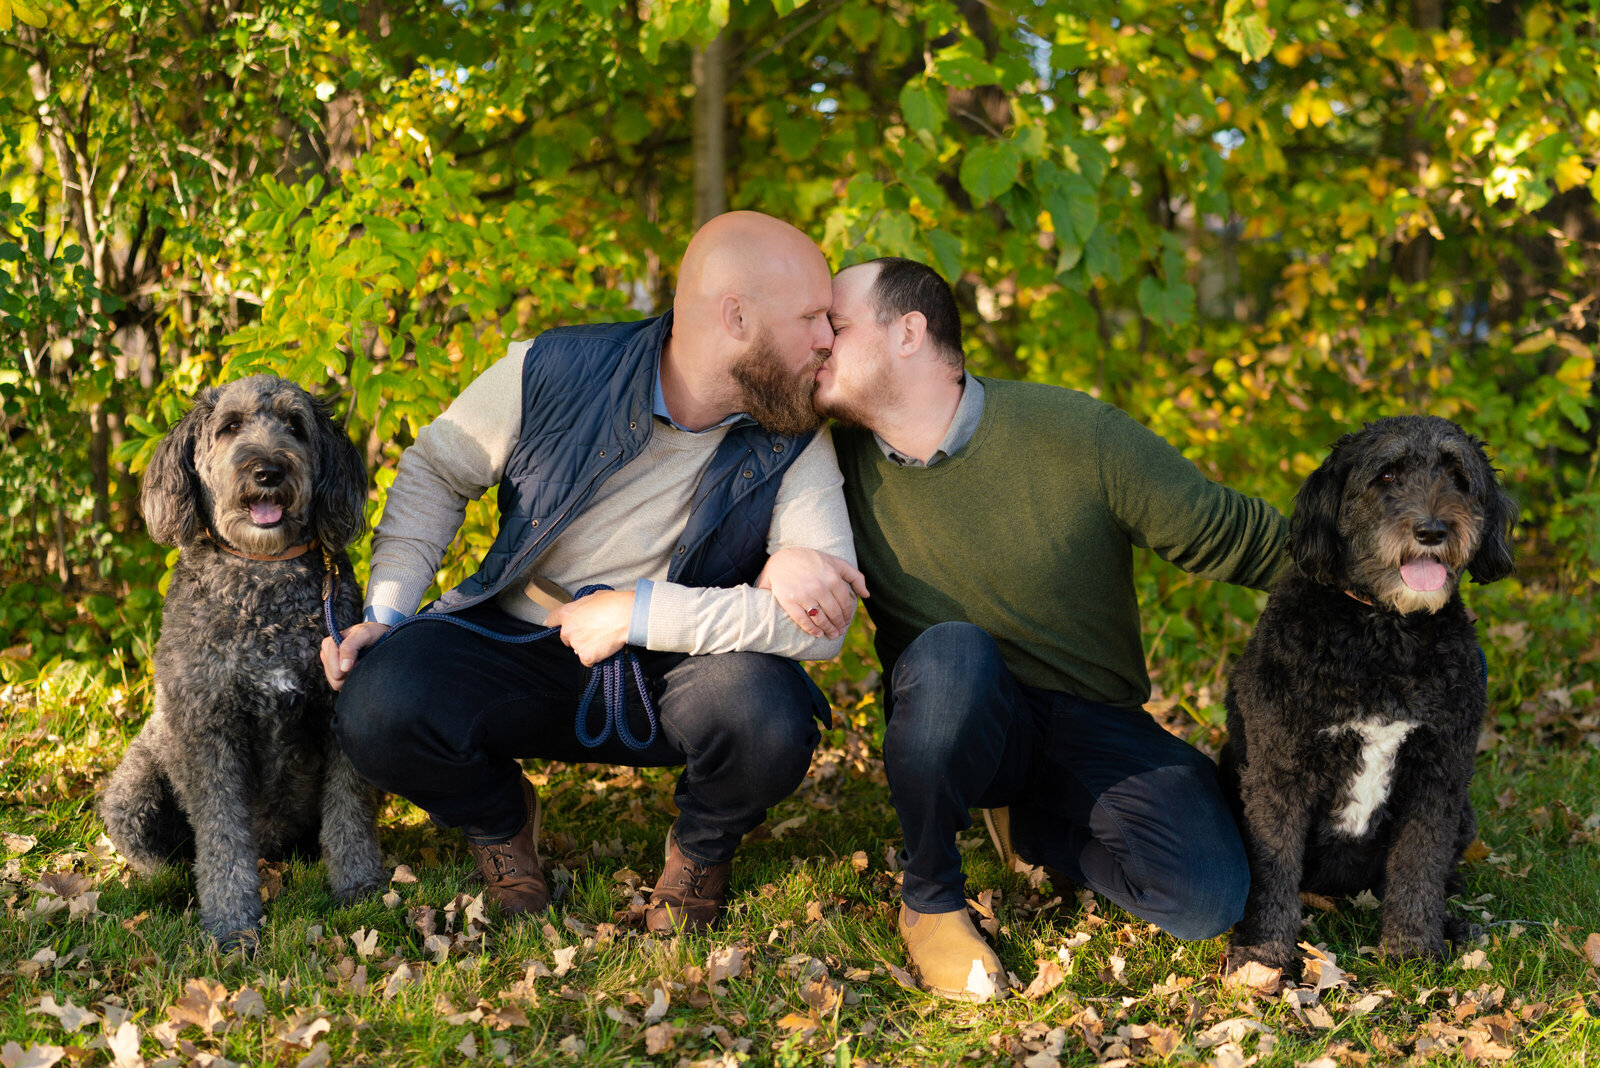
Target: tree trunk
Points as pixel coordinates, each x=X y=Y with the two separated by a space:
x=710 y=118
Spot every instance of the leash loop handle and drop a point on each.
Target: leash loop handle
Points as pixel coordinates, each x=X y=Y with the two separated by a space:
x=609 y=676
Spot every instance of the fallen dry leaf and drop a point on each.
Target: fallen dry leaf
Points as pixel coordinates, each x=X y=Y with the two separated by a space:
x=70 y=1016
x=1591 y=949
x=1476 y=961
x=979 y=982
x=658 y=1005
x=794 y=1021
x=365 y=941
x=302 y=1029
x=403 y=874
x=317 y=1058
x=14 y=1056
x=858 y=861
x=565 y=957
x=124 y=1046
x=1045 y=980
x=203 y=1005
x=574 y=1045
x=726 y=962
x=1262 y=978
x=784 y=827
x=1322 y=971
x=660 y=1038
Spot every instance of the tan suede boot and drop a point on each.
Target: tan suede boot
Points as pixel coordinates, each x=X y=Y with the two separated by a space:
x=950 y=956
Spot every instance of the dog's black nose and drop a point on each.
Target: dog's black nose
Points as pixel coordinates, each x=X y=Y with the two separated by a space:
x=267 y=474
x=1430 y=532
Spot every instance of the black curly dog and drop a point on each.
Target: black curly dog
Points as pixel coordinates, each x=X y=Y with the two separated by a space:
x=238 y=761
x=1353 y=714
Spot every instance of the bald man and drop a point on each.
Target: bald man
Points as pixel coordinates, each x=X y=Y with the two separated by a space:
x=667 y=459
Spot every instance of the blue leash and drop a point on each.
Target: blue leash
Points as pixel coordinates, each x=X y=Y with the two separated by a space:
x=610 y=675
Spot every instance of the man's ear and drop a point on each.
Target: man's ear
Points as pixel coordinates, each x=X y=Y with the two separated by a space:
x=910 y=332
x=734 y=320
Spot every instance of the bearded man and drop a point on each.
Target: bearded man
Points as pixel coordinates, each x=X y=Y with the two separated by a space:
x=665 y=458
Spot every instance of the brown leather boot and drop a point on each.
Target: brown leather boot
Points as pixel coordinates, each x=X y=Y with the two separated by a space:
x=689 y=896
x=511 y=868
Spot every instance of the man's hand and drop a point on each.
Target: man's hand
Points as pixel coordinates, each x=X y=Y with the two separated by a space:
x=338 y=660
x=814 y=588
x=595 y=626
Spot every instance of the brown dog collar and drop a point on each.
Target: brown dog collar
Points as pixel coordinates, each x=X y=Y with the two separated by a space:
x=291 y=553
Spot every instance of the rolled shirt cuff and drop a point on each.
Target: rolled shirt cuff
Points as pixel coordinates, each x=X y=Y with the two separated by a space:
x=378 y=613
x=639 y=622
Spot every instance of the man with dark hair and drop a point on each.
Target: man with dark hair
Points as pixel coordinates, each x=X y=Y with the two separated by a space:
x=996 y=521
x=665 y=458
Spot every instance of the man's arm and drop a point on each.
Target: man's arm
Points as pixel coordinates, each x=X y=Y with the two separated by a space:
x=454 y=460
x=809 y=513
x=1167 y=505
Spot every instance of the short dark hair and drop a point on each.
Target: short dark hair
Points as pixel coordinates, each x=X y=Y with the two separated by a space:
x=904 y=286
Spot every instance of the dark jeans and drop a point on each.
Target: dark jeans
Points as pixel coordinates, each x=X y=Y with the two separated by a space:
x=1102 y=794
x=440 y=715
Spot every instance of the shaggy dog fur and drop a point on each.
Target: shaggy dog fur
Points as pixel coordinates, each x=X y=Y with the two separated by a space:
x=238 y=761
x=1353 y=714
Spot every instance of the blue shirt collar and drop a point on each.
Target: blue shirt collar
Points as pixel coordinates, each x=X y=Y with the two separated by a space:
x=659 y=410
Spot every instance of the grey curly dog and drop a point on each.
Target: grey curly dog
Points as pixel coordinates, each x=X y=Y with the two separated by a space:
x=262 y=492
x=1353 y=714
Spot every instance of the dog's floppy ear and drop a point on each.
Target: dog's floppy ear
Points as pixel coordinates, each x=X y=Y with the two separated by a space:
x=1495 y=557
x=340 y=489
x=1314 y=539
x=169 y=495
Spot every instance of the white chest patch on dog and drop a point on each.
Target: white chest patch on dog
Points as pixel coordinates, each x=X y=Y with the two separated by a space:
x=282 y=680
x=1369 y=787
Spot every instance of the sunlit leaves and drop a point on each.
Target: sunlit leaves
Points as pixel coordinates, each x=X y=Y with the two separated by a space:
x=990 y=169
x=1245 y=30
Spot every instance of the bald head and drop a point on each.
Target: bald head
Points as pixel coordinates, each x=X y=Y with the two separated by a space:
x=748 y=254
x=750 y=323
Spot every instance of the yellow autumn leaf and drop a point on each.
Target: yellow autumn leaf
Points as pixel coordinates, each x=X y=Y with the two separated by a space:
x=1570 y=172
x=25 y=11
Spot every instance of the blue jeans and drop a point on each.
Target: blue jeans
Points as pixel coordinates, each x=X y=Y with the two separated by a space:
x=1104 y=795
x=440 y=716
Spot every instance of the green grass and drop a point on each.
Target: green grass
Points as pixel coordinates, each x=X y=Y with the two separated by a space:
x=814 y=925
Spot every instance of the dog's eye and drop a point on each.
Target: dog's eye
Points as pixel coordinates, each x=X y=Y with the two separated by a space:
x=232 y=426
x=1387 y=475
x=296 y=427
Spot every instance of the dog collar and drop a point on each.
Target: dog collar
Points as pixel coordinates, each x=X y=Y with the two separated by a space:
x=291 y=553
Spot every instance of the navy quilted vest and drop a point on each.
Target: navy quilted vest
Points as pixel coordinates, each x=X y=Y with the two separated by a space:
x=586 y=403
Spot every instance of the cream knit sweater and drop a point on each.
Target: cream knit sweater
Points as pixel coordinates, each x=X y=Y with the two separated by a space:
x=625 y=535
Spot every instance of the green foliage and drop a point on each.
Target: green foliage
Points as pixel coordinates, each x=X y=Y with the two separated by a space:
x=1253 y=228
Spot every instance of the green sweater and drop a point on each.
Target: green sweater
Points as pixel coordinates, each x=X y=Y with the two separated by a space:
x=1028 y=532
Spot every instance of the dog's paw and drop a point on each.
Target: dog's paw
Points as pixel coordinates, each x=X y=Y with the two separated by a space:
x=356 y=891
x=1410 y=946
x=1460 y=931
x=232 y=939
x=1281 y=955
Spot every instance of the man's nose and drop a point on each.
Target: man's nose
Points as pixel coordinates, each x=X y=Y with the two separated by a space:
x=824 y=335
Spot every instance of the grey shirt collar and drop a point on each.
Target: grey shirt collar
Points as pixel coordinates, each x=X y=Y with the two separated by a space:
x=962 y=427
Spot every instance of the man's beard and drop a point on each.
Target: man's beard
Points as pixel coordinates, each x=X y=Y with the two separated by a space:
x=874 y=396
x=778 y=399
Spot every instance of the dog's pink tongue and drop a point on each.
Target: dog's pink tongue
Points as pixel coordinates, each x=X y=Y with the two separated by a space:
x=264 y=514
x=1423 y=575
